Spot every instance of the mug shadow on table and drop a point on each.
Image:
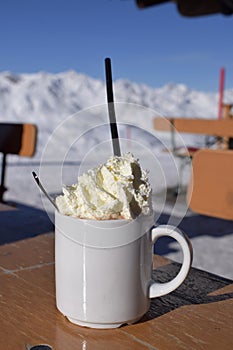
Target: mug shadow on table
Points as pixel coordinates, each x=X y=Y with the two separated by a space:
x=193 y=226
x=200 y=287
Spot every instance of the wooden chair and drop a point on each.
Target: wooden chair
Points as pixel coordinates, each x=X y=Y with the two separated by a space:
x=210 y=191
x=17 y=139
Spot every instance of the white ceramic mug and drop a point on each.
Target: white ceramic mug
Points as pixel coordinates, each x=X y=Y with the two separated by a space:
x=104 y=269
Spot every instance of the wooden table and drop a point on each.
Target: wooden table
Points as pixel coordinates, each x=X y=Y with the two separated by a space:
x=198 y=315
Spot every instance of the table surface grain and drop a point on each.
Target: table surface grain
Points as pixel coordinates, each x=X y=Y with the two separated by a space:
x=198 y=315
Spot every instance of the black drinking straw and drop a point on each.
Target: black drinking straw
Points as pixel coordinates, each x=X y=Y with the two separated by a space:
x=111 y=109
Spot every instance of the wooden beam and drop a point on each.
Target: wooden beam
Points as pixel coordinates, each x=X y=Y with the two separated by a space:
x=213 y=127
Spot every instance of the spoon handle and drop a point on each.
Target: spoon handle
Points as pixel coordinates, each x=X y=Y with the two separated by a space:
x=43 y=189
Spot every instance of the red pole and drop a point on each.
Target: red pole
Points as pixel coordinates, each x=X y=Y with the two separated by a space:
x=221 y=89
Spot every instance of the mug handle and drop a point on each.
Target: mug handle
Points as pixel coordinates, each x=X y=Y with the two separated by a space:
x=158 y=289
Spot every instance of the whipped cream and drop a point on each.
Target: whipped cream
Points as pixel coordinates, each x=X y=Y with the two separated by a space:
x=118 y=189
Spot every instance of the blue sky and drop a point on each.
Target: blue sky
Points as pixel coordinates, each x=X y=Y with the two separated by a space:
x=154 y=46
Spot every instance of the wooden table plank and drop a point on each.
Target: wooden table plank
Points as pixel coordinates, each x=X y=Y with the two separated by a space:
x=30 y=317
x=27 y=253
x=198 y=315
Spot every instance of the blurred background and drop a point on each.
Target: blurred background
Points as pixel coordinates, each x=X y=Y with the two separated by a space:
x=52 y=75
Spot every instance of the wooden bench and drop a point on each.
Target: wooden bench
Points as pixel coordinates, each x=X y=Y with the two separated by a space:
x=17 y=139
x=221 y=130
x=213 y=127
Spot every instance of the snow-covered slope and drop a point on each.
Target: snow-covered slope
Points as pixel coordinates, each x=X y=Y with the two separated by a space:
x=50 y=99
x=71 y=114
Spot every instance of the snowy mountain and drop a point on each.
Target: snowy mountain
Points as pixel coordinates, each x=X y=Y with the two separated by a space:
x=50 y=99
